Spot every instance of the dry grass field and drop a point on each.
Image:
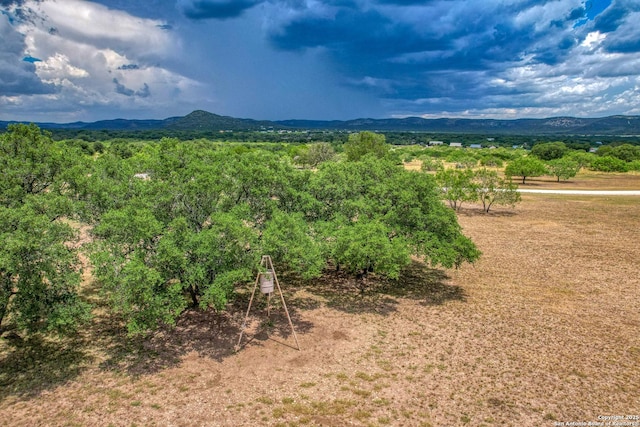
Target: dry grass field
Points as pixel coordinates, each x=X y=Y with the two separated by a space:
x=544 y=329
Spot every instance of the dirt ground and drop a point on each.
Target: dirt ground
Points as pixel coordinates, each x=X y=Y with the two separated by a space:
x=542 y=330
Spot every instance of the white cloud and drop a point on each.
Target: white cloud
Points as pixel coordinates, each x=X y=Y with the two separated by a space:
x=91 y=23
x=84 y=48
x=593 y=40
x=540 y=16
x=58 y=67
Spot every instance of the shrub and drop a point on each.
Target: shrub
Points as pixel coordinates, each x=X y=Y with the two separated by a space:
x=634 y=166
x=608 y=164
x=491 y=161
x=431 y=165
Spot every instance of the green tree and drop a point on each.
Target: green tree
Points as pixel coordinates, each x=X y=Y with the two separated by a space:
x=626 y=152
x=525 y=167
x=39 y=277
x=634 y=166
x=457 y=186
x=604 y=150
x=549 y=150
x=39 y=273
x=384 y=202
x=363 y=143
x=178 y=238
x=563 y=168
x=197 y=223
x=290 y=240
x=30 y=162
x=319 y=152
x=582 y=158
x=194 y=227
x=490 y=189
x=369 y=246
x=608 y=164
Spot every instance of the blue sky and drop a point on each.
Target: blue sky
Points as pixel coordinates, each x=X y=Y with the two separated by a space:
x=68 y=60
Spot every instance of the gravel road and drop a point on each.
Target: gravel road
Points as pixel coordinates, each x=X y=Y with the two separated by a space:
x=585 y=192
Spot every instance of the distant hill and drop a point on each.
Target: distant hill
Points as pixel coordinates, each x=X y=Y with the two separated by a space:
x=204 y=121
x=613 y=125
x=197 y=120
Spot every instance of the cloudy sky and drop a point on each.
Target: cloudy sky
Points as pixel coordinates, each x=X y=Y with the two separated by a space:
x=68 y=60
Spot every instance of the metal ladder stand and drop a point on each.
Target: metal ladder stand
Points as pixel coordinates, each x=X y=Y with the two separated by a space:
x=266 y=281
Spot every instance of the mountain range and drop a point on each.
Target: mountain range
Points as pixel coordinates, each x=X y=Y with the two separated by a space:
x=204 y=121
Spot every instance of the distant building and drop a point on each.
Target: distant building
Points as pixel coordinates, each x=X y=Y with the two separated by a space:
x=435 y=143
x=475 y=146
x=456 y=144
x=491 y=139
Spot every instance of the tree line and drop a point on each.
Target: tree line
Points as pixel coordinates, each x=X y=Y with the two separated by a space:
x=179 y=224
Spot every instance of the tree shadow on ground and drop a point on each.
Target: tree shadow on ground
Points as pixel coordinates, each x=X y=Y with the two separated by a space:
x=209 y=333
x=30 y=366
x=424 y=284
x=275 y=327
x=494 y=212
x=38 y=363
x=536 y=181
x=341 y=291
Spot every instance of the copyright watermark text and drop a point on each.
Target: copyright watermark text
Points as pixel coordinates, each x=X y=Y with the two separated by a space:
x=604 y=421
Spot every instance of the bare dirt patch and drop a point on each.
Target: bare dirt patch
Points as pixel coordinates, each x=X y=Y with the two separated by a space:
x=544 y=328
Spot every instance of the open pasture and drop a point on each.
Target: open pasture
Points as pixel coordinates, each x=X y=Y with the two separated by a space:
x=542 y=329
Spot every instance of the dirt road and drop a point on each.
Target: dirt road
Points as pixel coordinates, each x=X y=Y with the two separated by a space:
x=585 y=192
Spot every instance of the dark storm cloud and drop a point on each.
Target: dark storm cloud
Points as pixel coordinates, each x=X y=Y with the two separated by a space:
x=122 y=89
x=19 y=78
x=17 y=71
x=370 y=43
x=145 y=92
x=365 y=33
x=577 y=13
x=411 y=50
x=404 y=2
x=620 y=17
x=216 y=9
x=612 y=17
x=386 y=57
x=8 y=3
x=144 y=8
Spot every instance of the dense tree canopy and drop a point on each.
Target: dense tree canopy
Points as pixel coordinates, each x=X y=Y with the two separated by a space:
x=180 y=224
x=195 y=222
x=39 y=274
x=549 y=150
